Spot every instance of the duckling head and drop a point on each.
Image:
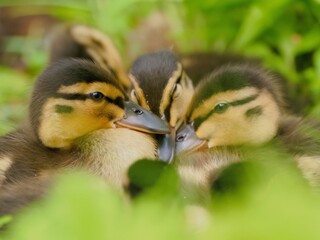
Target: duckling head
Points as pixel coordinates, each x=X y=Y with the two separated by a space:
x=235 y=105
x=72 y=98
x=161 y=86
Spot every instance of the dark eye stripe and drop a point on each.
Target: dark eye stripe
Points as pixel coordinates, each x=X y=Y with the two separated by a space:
x=244 y=100
x=78 y=96
x=179 y=78
x=68 y=96
x=167 y=111
x=198 y=121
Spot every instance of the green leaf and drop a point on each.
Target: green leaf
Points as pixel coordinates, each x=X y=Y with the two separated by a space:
x=257 y=20
x=316 y=60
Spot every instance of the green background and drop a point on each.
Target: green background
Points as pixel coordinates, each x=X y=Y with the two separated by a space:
x=283 y=34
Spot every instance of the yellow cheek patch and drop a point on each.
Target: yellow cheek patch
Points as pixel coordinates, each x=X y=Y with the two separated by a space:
x=252 y=123
x=59 y=129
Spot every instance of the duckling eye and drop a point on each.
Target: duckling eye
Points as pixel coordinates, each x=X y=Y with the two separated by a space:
x=138 y=111
x=221 y=107
x=96 y=96
x=176 y=92
x=181 y=137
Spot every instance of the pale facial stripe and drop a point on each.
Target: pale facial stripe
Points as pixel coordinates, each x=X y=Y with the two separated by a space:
x=5 y=164
x=167 y=111
x=166 y=96
x=84 y=88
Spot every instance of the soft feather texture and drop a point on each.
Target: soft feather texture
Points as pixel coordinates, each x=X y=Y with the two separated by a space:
x=109 y=153
x=152 y=72
x=15 y=196
x=84 y=42
x=241 y=86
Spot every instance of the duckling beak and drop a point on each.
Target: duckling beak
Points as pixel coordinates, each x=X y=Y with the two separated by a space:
x=142 y=120
x=187 y=140
x=166 y=146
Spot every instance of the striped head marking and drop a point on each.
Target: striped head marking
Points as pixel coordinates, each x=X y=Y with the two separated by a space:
x=161 y=86
x=101 y=50
x=73 y=98
x=236 y=105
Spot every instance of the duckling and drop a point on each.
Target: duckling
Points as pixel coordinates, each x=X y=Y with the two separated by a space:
x=161 y=86
x=243 y=105
x=80 y=41
x=79 y=116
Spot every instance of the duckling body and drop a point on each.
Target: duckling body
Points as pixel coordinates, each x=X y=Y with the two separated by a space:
x=109 y=153
x=199 y=170
x=106 y=153
x=28 y=173
x=243 y=105
x=18 y=195
x=23 y=156
x=301 y=138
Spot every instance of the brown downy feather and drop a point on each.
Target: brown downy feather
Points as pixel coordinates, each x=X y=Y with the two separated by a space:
x=200 y=169
x=301 y=137
x=16 y=196
x=80 y=41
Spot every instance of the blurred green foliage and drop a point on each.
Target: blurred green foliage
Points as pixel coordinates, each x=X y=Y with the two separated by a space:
x=284 y=34
x=278 y=205
x=14 y=88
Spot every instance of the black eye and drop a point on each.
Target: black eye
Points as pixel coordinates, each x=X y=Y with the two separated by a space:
x=221 y=107
x=181 y=137
x=96 y=96
x=138 y=111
